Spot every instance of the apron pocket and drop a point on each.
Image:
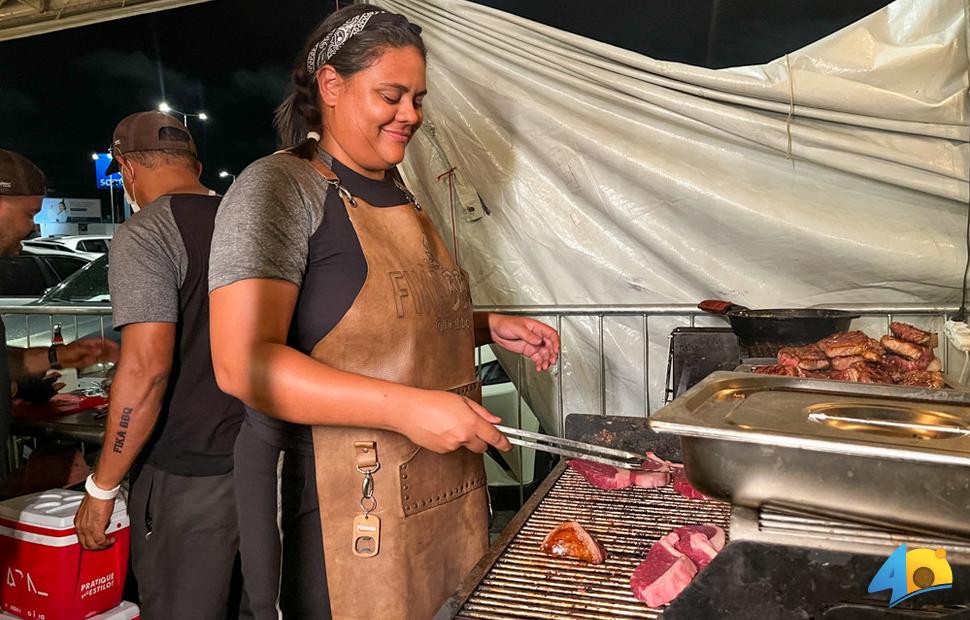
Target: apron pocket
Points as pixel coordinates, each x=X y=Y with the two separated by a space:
x=428 y=479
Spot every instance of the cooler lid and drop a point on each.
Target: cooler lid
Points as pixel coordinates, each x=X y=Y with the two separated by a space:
x=53 y=509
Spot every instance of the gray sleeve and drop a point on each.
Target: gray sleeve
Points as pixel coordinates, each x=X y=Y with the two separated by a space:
x=264 y=224
x=146 y=267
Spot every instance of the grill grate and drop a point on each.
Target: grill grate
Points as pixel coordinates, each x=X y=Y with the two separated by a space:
x=526 y=583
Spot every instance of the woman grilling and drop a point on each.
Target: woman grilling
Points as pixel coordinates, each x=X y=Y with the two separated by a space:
x=335 y=304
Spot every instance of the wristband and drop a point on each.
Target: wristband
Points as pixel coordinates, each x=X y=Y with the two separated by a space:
x=52 y=357
x=97 y=492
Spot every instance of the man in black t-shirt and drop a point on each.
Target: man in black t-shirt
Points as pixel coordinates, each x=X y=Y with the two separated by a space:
x=22 y=190
x=168 y=421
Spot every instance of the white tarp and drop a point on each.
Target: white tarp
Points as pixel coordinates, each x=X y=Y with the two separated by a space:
x=587 y=174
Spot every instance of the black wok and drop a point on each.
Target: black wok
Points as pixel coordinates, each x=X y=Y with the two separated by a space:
x=782 y=326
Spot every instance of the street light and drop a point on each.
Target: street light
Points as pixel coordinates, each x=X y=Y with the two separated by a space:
x=167 y=109
x=95 y=157
x=225 y=173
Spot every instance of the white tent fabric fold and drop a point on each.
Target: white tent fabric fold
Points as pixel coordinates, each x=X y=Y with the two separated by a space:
x=586 y=174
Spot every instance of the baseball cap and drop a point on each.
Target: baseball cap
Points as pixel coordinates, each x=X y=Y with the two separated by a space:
x=150 y=131
x=19 y=176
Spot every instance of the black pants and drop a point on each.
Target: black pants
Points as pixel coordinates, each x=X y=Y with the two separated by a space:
x=184 y=541
x=281 y=544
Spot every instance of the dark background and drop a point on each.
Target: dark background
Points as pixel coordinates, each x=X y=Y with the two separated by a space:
x=62 y=93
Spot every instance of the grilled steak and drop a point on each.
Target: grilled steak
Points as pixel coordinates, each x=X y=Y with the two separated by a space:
x=841 y=363
x=922 y=378
x=844 y=344
x=778 y=369
x=854 y=356
x=663 y=574
x=809 y=357
x=570 y=540
x=897 y=366
x=903 y=348
x=907 y=332
x=861 y=372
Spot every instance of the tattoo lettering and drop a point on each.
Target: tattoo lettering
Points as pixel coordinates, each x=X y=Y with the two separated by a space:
x=120 y=435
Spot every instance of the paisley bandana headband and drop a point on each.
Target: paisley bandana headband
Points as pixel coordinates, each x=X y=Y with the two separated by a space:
x=321 y=53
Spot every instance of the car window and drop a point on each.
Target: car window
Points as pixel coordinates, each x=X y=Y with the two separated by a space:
x=93 y=245
x=89 y=284
x=21 y=276
x=64 y=266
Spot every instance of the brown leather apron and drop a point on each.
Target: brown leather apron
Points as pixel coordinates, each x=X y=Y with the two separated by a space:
x=411 y=323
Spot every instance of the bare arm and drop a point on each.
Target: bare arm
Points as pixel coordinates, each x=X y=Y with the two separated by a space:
x=136 y=399
x=253 y=363
x=26 y=362
x=79 y=354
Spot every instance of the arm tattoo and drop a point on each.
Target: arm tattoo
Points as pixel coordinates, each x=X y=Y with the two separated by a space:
x=120 y=435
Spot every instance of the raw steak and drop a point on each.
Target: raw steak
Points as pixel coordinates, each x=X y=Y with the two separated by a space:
x=570 y=540
x=861 y=372
x=907 y=332
x=922 y=378
x=663 y=574
x=654 y=462
x=844 y=344
x=903 y=348
x=712 y=532
x=650 y=479
x=655 y=473
x=683 y=486
x=809 y=357
x=602 y=476
x=700 y=542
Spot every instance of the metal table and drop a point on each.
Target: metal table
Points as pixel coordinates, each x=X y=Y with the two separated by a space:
x=82 y=426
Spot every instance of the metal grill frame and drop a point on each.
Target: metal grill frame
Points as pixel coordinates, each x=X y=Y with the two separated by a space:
x=516 y=580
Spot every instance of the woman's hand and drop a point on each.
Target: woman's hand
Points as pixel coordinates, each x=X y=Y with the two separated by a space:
x=443 y=422
x=525 y=336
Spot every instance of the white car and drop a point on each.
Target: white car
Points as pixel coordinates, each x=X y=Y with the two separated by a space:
x=88 y=246
x=26 y=277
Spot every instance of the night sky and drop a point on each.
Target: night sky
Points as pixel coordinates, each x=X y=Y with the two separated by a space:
x=62 y=93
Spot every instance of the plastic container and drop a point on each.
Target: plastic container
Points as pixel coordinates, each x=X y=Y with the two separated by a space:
x=125 y=611
x=46 y=575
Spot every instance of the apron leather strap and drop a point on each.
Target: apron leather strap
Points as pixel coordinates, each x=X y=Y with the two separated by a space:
x=366 y=454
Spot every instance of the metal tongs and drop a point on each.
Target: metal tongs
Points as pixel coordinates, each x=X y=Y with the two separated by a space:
x=576 y=449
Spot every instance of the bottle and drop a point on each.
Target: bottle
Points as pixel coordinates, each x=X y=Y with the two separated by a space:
x=68 y=376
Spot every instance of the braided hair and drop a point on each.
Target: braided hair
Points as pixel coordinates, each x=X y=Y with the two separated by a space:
x=298 y=120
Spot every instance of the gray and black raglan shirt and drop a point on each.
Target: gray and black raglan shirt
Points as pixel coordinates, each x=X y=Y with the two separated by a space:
x=280 y=220
x=158 y=273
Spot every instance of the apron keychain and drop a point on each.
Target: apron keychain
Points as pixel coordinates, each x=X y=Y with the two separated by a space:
x=367 y=527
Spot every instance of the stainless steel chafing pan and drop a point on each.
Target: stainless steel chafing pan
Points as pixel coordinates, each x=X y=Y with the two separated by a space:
x=880 y=454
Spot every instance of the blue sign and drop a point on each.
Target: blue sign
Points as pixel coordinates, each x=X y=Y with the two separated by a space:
x=105 y=181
